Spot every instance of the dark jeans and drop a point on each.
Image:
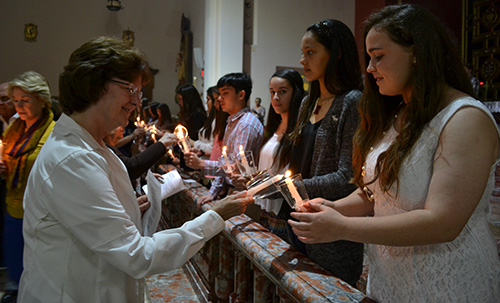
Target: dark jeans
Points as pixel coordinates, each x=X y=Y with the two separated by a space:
x=13 y=246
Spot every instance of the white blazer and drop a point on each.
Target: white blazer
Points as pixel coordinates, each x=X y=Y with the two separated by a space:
x=82 y=224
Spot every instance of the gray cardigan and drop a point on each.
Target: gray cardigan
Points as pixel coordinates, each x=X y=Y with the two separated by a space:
x=332 y=158
x=331 y=168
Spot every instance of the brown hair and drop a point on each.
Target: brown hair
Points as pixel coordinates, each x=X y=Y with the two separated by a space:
x=438 y=65
x=84 y=78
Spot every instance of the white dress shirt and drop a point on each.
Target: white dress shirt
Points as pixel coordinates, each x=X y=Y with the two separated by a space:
x=6 y=123
x=82 y=224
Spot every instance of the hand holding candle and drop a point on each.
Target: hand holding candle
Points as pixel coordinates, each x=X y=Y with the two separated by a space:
x=293 y=190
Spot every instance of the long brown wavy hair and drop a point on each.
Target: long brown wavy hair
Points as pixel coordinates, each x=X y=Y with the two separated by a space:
x=438 y=66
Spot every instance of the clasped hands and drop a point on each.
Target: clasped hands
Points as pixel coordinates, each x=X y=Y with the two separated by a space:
x=319 y=224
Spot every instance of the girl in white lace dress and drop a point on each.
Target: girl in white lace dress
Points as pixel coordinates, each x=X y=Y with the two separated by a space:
x=424 y=160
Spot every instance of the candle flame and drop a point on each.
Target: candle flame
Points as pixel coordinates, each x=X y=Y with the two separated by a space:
x=241 y=148
x=139 y=123
x=224 y=150
x=288 y=173
x=171 y=153
x=181 y=132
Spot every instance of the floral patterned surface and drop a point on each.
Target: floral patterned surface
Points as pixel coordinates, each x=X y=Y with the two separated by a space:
x=270 y=256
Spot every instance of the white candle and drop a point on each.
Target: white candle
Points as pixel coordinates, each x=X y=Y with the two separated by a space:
x=244 y=161
x=293 y=190
x=224 y=156
x=252 y=191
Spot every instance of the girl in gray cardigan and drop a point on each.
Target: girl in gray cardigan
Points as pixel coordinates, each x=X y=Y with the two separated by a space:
x=328 y=118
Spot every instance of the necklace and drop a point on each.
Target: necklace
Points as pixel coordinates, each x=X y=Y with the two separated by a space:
x=318 y=108
x=368 y=192
x=320 y=103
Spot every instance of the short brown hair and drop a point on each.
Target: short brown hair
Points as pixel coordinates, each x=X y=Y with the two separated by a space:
x=90 y=66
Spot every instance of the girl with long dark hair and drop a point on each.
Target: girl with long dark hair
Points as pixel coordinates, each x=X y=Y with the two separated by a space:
x=286 y=90
x=192 y=114
x=328 y=118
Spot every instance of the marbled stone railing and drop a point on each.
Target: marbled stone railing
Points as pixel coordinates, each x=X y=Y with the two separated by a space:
x=247 y=263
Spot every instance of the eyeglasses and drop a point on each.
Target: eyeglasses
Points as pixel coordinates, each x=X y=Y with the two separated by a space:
x=131 y=87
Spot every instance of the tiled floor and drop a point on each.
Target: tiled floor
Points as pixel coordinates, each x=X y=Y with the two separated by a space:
x=173 y=286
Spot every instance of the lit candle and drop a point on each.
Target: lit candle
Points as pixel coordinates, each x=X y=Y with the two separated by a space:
x=182 y=133
x=244 y=161
x=171 y=154
x=226 y=159
x=252 y=191
x=153 y=133
x=293 y=190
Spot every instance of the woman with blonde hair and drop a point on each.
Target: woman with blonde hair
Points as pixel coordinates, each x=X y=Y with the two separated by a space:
x=23 y=141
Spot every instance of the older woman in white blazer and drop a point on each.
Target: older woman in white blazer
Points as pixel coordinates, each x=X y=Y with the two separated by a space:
x=82 y=225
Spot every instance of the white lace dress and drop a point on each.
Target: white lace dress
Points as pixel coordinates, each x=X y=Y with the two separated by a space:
x=464 y=270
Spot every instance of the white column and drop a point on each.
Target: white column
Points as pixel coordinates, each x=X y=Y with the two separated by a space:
x=223 y=39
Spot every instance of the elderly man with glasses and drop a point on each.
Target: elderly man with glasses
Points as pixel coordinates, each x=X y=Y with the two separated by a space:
x=7 y=109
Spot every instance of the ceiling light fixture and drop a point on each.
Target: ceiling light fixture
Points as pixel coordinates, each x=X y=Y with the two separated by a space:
x=114 y=5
